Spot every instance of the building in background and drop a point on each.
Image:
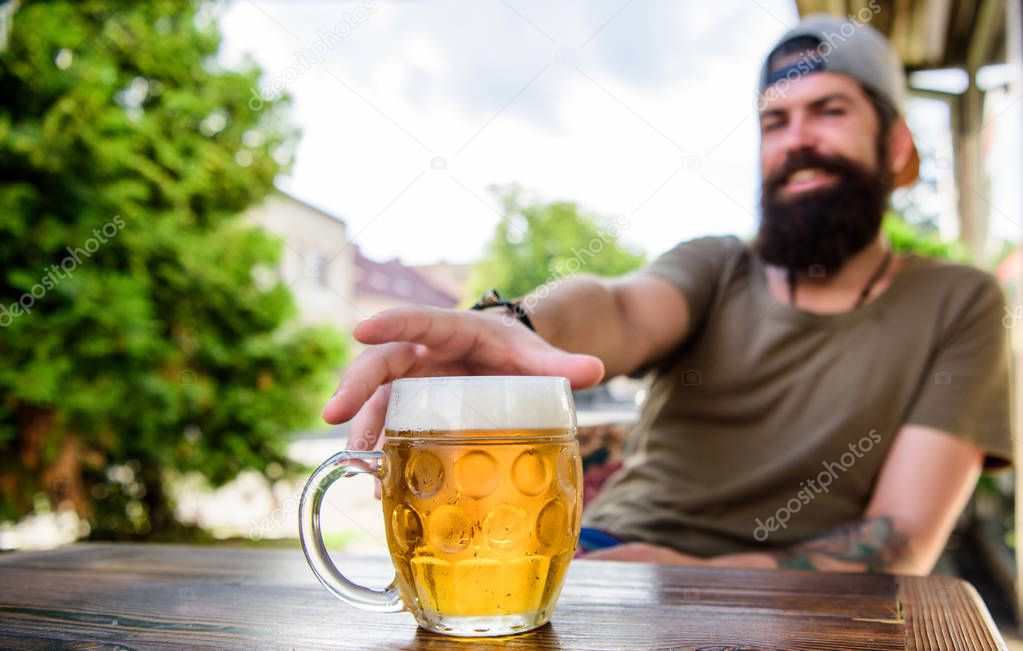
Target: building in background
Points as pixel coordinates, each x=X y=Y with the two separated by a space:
x=317 y=262
x=383 y=285
x=452 y=278
x=330 y=279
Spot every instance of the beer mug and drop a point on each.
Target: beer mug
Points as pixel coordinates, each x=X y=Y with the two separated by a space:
x=482 y=494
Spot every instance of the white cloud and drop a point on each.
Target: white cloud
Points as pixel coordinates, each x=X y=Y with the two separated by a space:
x=660 y=82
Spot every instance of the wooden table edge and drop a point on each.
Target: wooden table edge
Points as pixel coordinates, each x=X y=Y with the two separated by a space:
x=925 y=604
x=921 y=615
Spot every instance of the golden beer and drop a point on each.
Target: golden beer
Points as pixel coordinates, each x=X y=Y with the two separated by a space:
x=482 y=524
x=482 y=497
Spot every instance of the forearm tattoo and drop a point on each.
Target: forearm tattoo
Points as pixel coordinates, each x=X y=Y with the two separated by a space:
x=873 y=543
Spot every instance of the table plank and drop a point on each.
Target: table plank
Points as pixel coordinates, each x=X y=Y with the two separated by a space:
x=165 y=596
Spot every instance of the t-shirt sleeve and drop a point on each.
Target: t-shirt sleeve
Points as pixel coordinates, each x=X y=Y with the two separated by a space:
x=696 y=267
x=966 y=392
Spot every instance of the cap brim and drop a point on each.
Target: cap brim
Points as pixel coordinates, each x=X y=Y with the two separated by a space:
x=910 y=172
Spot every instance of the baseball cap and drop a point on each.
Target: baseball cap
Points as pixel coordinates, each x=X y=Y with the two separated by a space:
x=850 y=48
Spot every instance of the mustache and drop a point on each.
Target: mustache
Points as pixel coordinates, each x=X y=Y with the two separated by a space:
x=824 y=226
x=839 y=166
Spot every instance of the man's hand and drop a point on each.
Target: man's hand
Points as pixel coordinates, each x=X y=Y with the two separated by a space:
x=423 y=342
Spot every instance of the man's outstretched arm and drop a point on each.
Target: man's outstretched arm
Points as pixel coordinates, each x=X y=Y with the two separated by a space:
x=586 y=329
x=626 y=322
x=924 y=484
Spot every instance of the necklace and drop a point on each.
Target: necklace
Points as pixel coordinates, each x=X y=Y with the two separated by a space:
x=876 y=276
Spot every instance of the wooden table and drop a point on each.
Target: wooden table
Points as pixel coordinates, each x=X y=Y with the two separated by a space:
x=172 y=597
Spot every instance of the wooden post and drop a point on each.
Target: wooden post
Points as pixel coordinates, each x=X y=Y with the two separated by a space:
x=968 y=118
x=1014 y=54
x=971 y=180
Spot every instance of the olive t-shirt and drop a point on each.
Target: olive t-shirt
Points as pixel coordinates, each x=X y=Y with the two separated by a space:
x=769 y=424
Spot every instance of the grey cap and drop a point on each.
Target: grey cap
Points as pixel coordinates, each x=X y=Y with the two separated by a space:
x=851 y=48
x=847 y=47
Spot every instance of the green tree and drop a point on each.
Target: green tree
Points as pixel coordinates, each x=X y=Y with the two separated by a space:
x=906 y=237
x=538 y=243
x=141 y=338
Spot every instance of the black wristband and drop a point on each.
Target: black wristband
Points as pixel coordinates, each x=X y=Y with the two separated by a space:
x=491 y=298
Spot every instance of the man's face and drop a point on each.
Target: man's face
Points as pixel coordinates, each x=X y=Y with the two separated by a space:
x=824 y=112
x=825 y=175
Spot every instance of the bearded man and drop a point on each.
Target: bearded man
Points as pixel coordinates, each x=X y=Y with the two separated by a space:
x=816 y=400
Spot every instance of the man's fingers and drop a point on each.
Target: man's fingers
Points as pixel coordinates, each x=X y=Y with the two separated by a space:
x=407 y=342
x=582 y=371
x=376 y=366
x=364 y=431
x=451 y=335
x=419 y=325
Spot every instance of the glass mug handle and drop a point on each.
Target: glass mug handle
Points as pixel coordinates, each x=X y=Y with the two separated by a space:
x=343 y=464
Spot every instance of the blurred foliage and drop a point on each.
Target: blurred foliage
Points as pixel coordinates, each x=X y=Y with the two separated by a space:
x=906 y=237
x=156 y=338
x=538 y=243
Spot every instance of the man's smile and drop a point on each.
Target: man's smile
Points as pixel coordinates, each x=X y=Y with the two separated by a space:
x=806 y=179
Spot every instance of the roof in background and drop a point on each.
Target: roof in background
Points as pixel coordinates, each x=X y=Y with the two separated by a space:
x=396 y=281
x=305 y=204
x=929 y=34
x=452 y=278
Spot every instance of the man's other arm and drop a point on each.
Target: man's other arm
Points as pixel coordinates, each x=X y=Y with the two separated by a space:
x=924 y=484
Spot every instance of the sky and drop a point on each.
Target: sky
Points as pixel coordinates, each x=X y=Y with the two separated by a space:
x=409 y=111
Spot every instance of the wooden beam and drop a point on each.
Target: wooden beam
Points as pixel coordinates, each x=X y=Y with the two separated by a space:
x=960 y=26
x=916 y=37
x=984 y=30
x=928 y=93
x=838 y=8
x=855 y=6
x=936 y=27
x=901 y=30
x=807 y=7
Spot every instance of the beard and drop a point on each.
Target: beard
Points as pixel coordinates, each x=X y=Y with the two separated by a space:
x=817 y=231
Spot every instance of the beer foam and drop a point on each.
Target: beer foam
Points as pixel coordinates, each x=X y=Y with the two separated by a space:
x=491 y=402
